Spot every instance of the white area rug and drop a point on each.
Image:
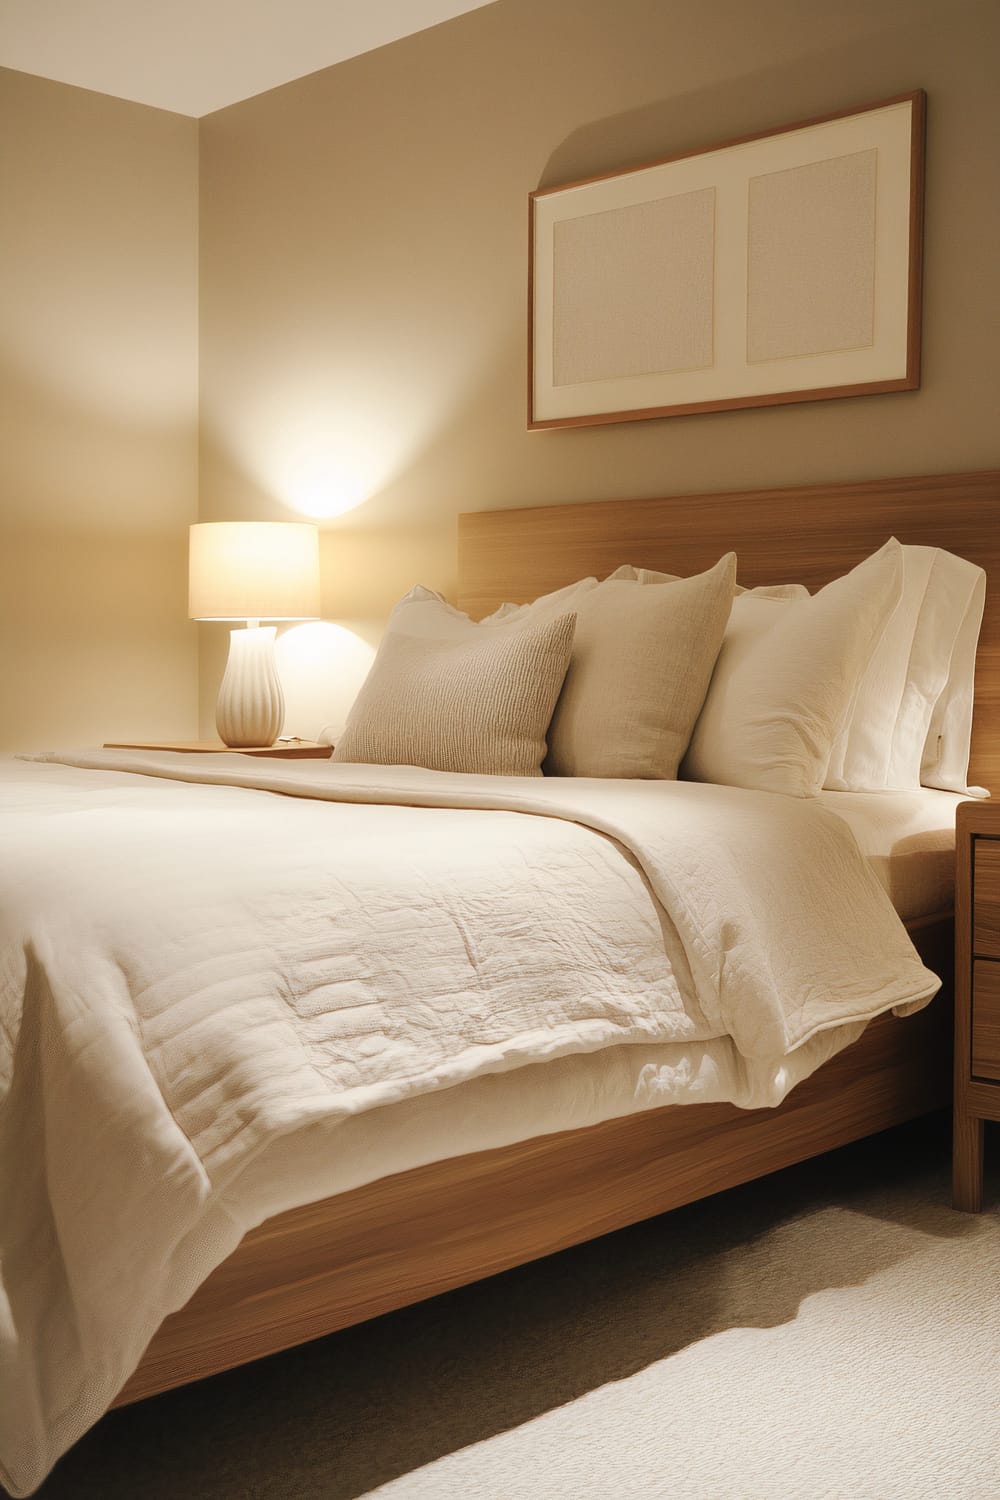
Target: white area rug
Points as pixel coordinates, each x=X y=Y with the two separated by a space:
x=884 y=1383
x=833 y=1331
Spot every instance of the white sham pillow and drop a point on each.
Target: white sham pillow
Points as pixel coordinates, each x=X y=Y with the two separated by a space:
x=786 y=678
x=911 y=722
x=869 y=753
x=945 y=760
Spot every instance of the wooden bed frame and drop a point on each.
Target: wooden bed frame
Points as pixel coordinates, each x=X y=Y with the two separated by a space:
x=331 y=1264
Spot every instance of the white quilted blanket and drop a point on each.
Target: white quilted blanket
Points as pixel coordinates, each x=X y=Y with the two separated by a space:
x=192 y=969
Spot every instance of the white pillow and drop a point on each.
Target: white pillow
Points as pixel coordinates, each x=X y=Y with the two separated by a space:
x=945 y=761
x=926 y=658
x=870 y=752
x=786 y=678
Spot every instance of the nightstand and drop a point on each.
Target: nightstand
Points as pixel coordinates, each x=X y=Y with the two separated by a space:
x=977 y=994
x=287 y=750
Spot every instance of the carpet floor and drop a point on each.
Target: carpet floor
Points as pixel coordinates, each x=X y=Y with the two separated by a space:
x=832 y=1331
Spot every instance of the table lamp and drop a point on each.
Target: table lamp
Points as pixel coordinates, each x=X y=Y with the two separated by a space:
x=252 y=571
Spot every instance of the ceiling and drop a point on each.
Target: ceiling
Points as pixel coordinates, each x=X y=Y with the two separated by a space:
x=195 y=56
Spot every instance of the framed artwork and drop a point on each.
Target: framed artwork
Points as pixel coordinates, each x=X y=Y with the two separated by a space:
x=779 y=267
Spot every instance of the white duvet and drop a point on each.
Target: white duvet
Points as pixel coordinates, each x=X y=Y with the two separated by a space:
x=197 y=976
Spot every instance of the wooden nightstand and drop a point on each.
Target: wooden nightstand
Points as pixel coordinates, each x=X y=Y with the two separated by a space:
x=287 y=750
x=977 y=994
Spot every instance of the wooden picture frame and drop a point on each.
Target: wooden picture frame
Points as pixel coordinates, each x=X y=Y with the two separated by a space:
x=783 y=266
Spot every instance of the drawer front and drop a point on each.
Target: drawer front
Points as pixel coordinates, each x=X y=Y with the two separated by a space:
x=986 y=898
x=986 y=1019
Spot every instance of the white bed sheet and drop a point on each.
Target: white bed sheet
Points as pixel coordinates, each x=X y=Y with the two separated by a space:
x=908 y=839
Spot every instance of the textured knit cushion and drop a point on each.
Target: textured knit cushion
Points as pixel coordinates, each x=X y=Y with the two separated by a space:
x=642 y=660
x=480 y=704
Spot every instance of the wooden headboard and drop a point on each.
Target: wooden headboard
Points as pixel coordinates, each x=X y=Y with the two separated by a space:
x=804 y=535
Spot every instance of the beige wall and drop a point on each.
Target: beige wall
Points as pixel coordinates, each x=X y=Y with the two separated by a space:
x=364 y=257
x=98 y=416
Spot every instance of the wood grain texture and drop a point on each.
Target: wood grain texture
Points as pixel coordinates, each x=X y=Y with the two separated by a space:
x=809 y=534
x=986 y=910
x=967 y=1125
x=977 y=1001
x=288 y=750
x=984 y=1099
x=331 y=1264
x=967 y=1162
x=986 y=1019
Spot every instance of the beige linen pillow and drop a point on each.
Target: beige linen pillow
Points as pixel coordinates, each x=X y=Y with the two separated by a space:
x=479 y=705
x=786 y=679
x=641 y=664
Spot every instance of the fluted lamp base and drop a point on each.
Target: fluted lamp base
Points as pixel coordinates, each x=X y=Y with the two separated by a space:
x=251 y=706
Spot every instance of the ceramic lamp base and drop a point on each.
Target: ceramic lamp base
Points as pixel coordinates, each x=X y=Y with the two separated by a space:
x=251 y=707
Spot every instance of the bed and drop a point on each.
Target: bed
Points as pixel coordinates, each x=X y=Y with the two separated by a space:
x=414 y=1233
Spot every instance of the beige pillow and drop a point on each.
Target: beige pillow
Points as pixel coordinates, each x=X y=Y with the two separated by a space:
x=641 y=664
x=478 y=705
x=638 y=682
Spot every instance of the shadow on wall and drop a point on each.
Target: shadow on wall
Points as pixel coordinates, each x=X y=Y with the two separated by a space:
x=879 y=66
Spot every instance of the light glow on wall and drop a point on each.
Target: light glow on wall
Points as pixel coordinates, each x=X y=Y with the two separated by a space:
x=324 y=450
x=321 y=666
x=322 y=439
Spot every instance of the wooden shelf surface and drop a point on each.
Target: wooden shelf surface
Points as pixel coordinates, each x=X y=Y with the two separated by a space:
x=287 y=750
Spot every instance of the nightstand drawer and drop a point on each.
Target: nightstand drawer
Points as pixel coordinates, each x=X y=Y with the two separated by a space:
x=986 y=898
x=986 y=1019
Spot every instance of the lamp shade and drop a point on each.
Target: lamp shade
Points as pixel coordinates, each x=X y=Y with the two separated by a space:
x=253 y=570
